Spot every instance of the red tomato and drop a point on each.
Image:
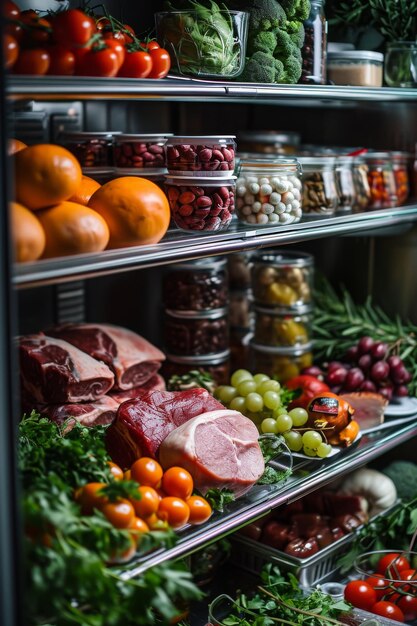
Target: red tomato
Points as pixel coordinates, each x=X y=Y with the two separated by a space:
x=10 y=10
x=73 y=28
x=310 y=386
x=117 y=46
x=39 y=29
x=387 y=609
x=10 y=50
x=360 y=594
x=150 y=45
x=408 y=605
x=15 y=30
x=103 y=23
x=128 y=39
x=379 y=584
x=161 y=63
x=392 y=564
x=62 y=61
x=136 y=65
x=32 y=61
x=102 y=62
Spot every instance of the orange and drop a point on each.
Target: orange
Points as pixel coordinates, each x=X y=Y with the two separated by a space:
x=72 y=228
x=27 y=234
x=86 y=189
x=14 y=145
x=45 y=174
x=136 y=210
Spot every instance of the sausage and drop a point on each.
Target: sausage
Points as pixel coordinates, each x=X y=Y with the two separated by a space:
x=302 y=548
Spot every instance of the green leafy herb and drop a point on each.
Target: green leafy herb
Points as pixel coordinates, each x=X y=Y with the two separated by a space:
x=219 y=498
x=271 y=446
x=191 y=380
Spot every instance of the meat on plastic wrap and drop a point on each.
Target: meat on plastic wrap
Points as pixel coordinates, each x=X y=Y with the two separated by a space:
x=54 y=371
x=220 y=449
x=142 y=424
x=133 y=359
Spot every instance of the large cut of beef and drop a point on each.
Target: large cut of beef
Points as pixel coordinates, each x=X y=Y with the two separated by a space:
x=100 y=412
x=156 y=383
x=131 y=357
x=142 y=424
x=54 y=371
x=219 y=449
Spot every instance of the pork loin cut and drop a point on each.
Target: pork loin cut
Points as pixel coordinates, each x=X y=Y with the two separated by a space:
x=218 y=448
x=54 y=371
x=131 y=357
x=142 y=424
x=369 y=407
x=156 y=383
x=101 y=412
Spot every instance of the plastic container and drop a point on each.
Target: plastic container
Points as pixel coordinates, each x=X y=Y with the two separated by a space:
x=218 y=365
x=362 y=68
x=283 y=278
x=280 y=363
x=196 y=334
x=201 y=204
x=319 y=191
x=381 y=180
x=138 y=152
x=314 y=50
x=269 y=192
x=240 y=264
x=196 y=285
x=283 y=327
x=400 y=165
x=93 y=150
x=269 y=142
x=360 y=180
x=345 y=185
x=240 y=309
x=201 y=155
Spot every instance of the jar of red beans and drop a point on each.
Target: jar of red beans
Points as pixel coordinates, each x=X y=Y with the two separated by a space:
x=400 y=164
x=201 y=156
x=198 y=285
x=192 y=334
x=381 y=180
x=136 y=152
x=93 y=150
x=218 y=365
x=201 y=204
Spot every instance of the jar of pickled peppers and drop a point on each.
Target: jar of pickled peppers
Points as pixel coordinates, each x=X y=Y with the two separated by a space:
x=283 y=327
x=381 y=180
x=283 y=278
x=280 y=363
x=400 y=162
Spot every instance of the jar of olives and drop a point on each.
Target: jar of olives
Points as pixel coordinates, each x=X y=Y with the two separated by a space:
x=217 y=365
x=199 y=285
x=282 y=279
x=280 y=363
x=283 y=327
x=195 y=334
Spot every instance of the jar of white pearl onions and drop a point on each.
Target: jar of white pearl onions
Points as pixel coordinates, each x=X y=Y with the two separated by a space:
x=269 y=192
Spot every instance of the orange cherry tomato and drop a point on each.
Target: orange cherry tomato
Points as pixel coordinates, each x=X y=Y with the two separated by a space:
x=174 y=511
x=116 y=471
x=177 y=482
x=200 y=510
x=89 y=498
x=127 y=475
x=146 y=471
x=10 y=10
x=10 y=50
x=73 y=28
x=137 y=64
x=138 y=527
x=120 y=514
x=32 y=61
x=62 y=61
x=161 y=62
x=155 y=523
x=148 y=503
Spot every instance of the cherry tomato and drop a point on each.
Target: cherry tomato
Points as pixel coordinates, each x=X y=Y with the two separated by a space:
x=146 y=471
x=120 y=514
x=174 y=511
x=89 y=499
x=177 y=482
x=117 y=46
x=39 y=29
x=200 y=510
x=103 y=23
x=10 y=51
x=155 y=523
x=150 y=45
x=116 y=471
x=10 y=10
x=139 y=527
x=32 y=61
x=379 y=584
x=128 y=39
x=392 y=564
x=408 y=605
x=73 y=28
x=360 y=594
x=387 y=609
x=136 y=65
x=103 y=62
x=148 y=503
x=62 y=61
x=127 y=475
x=125 y=555
x=161 y=63
x=15 y=30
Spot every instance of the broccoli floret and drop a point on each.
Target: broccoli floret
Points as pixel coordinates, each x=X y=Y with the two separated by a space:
x=262 y=68
x=404 y=476
x=264 y=41
x=292 y=70
x=298 y=37
x=284 y=46
x=266 y=15
x=297 y=9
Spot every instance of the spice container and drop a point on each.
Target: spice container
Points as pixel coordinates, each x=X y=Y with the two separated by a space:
x=240 y=308
x=137 y=152
x=283 y=327
x=362 y=195
x=319 y=190
x=239 y=270
x=345 y=184
x=314 y=50
x=361 y=68
x=91 y=149
x=280 y=363
x=269 y=142
x=201 y=204
x=400 y=162
x=218 y=365
x=381 y=180
x=269 y=192
x=201 y=156
x=283 y=278
x=196 y=285
x=196 y=334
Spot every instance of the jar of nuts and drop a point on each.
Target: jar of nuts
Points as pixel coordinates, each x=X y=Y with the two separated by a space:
x=381 y=180
x=345 y=185
x=196 y=285
x=218 y=365
x=280 y=363
x=201 y=156
x=319 y=194
x=269 y=192
x=282 y=278
x=137 y=152
x=362 y=196
x=269 y=142
x=93 y=150
x=283 y=327
x=195 y=334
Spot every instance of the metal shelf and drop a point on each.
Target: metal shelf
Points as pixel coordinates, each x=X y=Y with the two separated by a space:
x=178 y=246
x=307 y=477
x=174 y=88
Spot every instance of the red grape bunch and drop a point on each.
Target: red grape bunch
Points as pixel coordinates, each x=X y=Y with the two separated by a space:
x=367 y=366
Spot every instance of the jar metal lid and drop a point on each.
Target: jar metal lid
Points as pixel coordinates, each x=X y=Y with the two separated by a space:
x=210 y=262
x=317 y=160
x=210 y=359
x=98 y=171
x=265 y=164
x=270 y=136
x=355 y=55
x=187 y=139
x=83 y=136
x=157 y=137
x=204 y=181
x=209 y=314
x=290 y=351
x=284 y=258
x=302 y=309
x=152 y=173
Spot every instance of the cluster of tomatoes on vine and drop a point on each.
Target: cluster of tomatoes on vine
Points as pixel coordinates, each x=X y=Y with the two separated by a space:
x=74 y=42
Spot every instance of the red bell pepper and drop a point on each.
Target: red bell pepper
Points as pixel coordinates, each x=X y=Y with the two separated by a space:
x=309 y=386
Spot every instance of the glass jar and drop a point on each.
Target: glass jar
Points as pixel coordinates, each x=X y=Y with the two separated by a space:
x=239 y=348
x=362 y=197
x=283 y=327
x=345 y=184
x=400 y=161
x=195 y=334
x=196 y=285
x=218 y=365
x=381 y=180
x=239 y=269
x=136 y=152
x=201 y=156
x=314 y=50
x=201 y=204
x=240 y=308
x=282 y=278
x=319 y=190
x=93 y=150
x=269 y=142
x=280 y=363
x=359 y=68
x=400 y=68
x=269 y=192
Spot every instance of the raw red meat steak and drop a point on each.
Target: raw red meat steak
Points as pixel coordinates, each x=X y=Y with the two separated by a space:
x=131 y=357
x=156 y=383
x=369 y=407
x=143 y=423
x=101 y=412
x=219 y=449
x=54 y=371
